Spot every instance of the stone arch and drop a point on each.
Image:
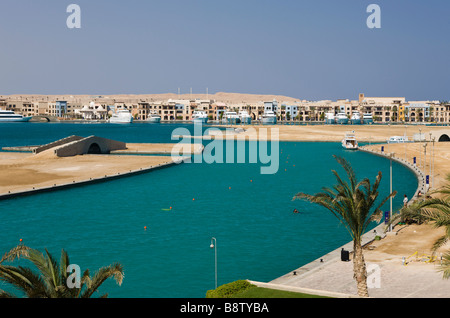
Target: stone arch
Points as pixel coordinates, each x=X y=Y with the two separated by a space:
x=94 y=149
x=444 y=137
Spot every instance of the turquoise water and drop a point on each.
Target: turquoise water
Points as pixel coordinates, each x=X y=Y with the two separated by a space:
x=250 y=215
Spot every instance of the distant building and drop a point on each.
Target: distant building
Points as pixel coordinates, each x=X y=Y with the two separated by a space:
x=61 y=108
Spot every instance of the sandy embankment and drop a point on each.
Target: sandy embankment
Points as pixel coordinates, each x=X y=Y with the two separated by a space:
x=24 y=171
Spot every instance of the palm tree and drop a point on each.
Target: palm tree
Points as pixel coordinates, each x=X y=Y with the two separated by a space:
x=353 y=204
x=435 y=211
x=51 y=281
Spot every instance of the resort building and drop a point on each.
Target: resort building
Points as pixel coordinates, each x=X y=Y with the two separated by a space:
x=382 y=109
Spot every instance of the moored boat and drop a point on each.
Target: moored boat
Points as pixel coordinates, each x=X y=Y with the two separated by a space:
x=368 y=119
x=341 y=118
x=231 y=117
x=269 y=118
x=349 y=142
x=199 y=117
x=8 y=116
x=356 y=118
x=122 y=116
x=245 y=117
x=154 y=118
x=330 y=118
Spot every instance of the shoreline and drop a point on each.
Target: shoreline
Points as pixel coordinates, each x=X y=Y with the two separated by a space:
x=284 y=282
x=25 y=173
x=324 y=133
x=67 y=185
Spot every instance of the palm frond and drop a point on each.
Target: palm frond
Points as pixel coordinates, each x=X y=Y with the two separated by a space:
x=16 y=252
x=115 y=271
x=352 y=202
x=445 y=266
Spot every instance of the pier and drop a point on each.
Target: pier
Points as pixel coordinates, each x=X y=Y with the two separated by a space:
x=71 y=162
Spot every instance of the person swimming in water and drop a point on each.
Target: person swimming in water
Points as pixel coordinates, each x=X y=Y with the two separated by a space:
x=295 y=211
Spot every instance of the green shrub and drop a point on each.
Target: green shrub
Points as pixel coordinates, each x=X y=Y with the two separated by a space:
x=229 y=290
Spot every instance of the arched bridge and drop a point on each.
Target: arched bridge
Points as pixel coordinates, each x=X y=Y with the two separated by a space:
x=441 y=135
x=76 y=145
x=41 y=118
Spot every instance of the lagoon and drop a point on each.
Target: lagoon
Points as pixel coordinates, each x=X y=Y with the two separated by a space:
x=250 y=214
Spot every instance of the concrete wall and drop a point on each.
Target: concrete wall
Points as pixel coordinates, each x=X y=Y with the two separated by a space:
x=57 y=143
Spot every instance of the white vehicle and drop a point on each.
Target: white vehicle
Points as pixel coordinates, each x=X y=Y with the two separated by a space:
x=397 y=139
x=8 y=116
x=122 y=116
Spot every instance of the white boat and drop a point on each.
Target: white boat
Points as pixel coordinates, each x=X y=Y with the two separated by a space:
x=341 y=118
x=199 y=117
x=122 y=116
x=269 y=118
x=368 y=119
x=230 y=117
x=350 y=142
x=356 y=118
x=245 y=117
x=330 y=118
x=397 y=139
x=8 y=116
x=154 y=118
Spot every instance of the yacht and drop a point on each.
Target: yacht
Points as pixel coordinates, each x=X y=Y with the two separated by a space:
x=350 y=142
x=245 y=117
x=356 y=118
x=199 y=117
x=154 y=118
x=269 y=118
x=397 y=139
x=121 y=116
x=368 y=119
x=230 y=117
x=8 y=116
x=330 y=118
x=341 y=118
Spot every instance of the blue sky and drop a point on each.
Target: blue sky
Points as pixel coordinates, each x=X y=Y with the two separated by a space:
x=315 y=49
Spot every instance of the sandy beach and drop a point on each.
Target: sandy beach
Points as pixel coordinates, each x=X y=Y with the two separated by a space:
x=335 y=133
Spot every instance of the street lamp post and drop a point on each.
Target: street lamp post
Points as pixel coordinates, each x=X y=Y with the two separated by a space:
x=431 y=153
x=406 y=144
x=425 y=160
x=390 y=199
x=432 y=172
x=214 y=245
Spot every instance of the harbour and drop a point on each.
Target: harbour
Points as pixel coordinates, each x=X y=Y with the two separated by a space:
x=199 y=199
x=192 y=153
